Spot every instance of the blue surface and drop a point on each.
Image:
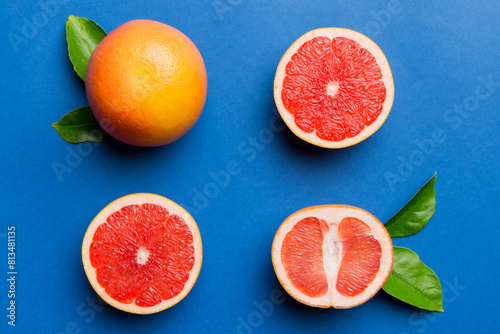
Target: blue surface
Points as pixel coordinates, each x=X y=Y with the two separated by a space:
x=440 y=54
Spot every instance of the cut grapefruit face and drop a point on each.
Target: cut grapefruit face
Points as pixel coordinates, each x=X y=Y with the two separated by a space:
x=333 y=87
x=332 y=256
x=142 y=253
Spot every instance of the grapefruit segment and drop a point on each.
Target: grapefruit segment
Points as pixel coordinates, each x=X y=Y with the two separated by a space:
x=332 y=256
x=142 y=253
x=361 y=257
x=333 y=87
x=302 y=257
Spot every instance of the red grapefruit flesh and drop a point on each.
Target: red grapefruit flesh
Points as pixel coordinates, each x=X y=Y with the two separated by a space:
x=333 y=87
x=142 y=253
x=332 y=256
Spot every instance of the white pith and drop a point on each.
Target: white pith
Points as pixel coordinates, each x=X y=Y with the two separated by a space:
x=332 y=88
x=366 y=43
x=143 y=254
x=332 y=251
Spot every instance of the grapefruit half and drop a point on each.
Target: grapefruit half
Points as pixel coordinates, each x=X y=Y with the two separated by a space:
x=332 y=256
x=142 y=253
x=333 y=87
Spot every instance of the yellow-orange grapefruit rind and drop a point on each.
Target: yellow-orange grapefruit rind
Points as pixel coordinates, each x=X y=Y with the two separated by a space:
x=146 y=83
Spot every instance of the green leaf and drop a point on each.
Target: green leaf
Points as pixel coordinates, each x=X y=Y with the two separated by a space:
x=78 y=126
x=413 y=282
x=416 y=213
x=83 y=36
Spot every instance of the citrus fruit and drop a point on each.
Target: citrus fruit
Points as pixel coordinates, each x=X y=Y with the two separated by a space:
x=332 y=256
x=146 y=83
x=142 y=253
x=333 y=87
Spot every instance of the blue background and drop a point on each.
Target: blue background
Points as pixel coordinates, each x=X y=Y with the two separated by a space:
x=440 y=54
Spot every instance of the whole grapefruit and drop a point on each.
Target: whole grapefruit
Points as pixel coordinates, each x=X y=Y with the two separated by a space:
x=146 y=83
